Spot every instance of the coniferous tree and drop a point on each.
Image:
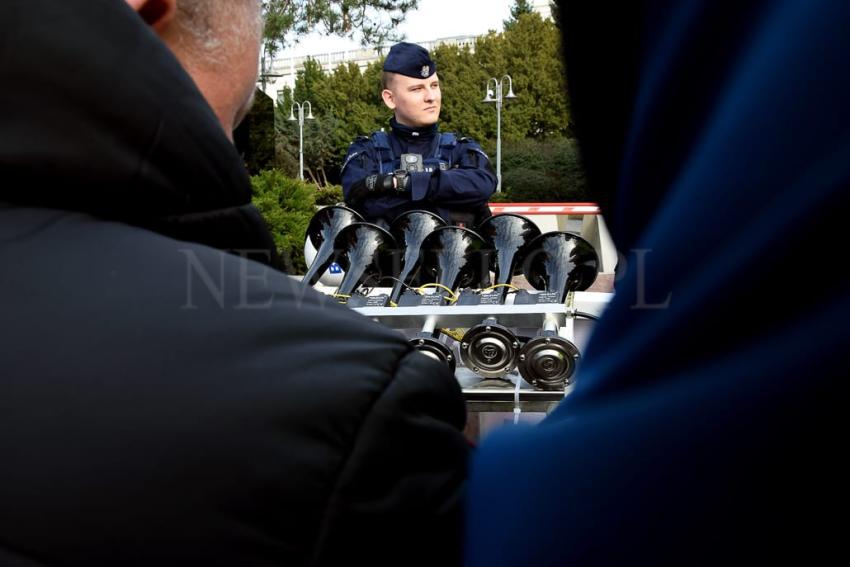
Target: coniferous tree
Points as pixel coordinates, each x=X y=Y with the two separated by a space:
x=519 y=8
x=373 y=21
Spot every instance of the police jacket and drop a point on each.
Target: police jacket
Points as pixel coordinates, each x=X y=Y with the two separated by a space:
x=709 y=414
x=163 y=402
x=456 y=182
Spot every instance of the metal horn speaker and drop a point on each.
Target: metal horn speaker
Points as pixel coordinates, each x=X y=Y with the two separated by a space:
x=549 y=360
x=409 y=230
x=560 y=262
x=490 y=349
x=427 y=342
x=454 y=257
x=509 y=236
x=451 y=257
x=364 y=251
x=323 y=229
x=556 y=262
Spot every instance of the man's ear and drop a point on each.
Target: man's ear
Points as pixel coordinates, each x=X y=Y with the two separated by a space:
x=387 y=95
x=158 y=14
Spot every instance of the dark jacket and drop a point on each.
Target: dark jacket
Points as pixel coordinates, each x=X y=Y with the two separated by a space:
x=705 y=426
x=162 y=401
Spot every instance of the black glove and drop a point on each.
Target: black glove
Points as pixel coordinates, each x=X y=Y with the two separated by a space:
x=397 y=182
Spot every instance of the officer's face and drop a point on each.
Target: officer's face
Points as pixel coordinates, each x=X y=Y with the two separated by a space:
x=416 y=102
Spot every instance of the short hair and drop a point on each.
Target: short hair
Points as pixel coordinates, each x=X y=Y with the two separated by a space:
x=207 y=25
x=386 y=79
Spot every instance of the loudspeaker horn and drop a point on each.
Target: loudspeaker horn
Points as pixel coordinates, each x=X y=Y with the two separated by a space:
x=454 y=257
x=427 y=341
x=556 y=262
x=509 y=236
x=490 y=349
x=548 y=361
x=323 y=229
x=451 y=257
x=409 y=230
x=560 y=262
x=365 y=251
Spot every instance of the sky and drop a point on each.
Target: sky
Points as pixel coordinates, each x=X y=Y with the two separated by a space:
x=433 y=19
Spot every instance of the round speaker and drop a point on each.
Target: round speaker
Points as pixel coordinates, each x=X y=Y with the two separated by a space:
x=548 y=362
x=433 y=348
x=489 y=350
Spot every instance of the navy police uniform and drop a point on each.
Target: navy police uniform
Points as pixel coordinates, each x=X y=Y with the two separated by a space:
x=436 y=171
x=456 y=183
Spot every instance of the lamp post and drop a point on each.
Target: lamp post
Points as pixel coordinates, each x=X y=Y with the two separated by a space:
x=494 y=94
x=300 y=119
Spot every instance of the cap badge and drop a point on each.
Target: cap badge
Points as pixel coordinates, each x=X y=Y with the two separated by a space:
x=424 y=71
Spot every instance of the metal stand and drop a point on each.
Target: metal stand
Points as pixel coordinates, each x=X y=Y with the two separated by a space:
x=483 y=395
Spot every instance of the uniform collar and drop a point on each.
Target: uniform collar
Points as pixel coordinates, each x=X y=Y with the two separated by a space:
x=409 y=134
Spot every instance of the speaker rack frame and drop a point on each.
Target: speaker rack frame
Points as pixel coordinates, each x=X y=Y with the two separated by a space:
x=484 y=399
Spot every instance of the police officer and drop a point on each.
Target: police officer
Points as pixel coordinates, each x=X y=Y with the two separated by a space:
x=415 y=166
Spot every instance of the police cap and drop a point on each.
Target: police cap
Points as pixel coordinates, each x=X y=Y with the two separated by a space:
x=411 y=60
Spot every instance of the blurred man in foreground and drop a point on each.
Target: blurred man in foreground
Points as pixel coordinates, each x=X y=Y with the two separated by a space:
x=162 y=401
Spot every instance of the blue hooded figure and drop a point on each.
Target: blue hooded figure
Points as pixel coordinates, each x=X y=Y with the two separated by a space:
x=704 y=426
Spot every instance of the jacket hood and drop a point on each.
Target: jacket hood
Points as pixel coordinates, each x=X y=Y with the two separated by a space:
x=721 y=167
x=98 y=116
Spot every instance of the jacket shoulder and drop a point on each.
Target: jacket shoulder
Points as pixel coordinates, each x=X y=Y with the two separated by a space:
x=466 y=144
x=360 y=143
x=467 y=141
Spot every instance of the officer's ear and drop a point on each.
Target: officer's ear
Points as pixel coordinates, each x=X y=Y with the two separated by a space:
x=158 y=14
x=389 y=99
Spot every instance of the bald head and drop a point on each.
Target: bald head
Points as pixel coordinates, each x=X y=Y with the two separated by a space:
x=216 y=31
x=217 y=42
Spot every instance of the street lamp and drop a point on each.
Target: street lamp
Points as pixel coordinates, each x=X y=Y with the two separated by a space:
x=494 y=94
x=300 y=119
